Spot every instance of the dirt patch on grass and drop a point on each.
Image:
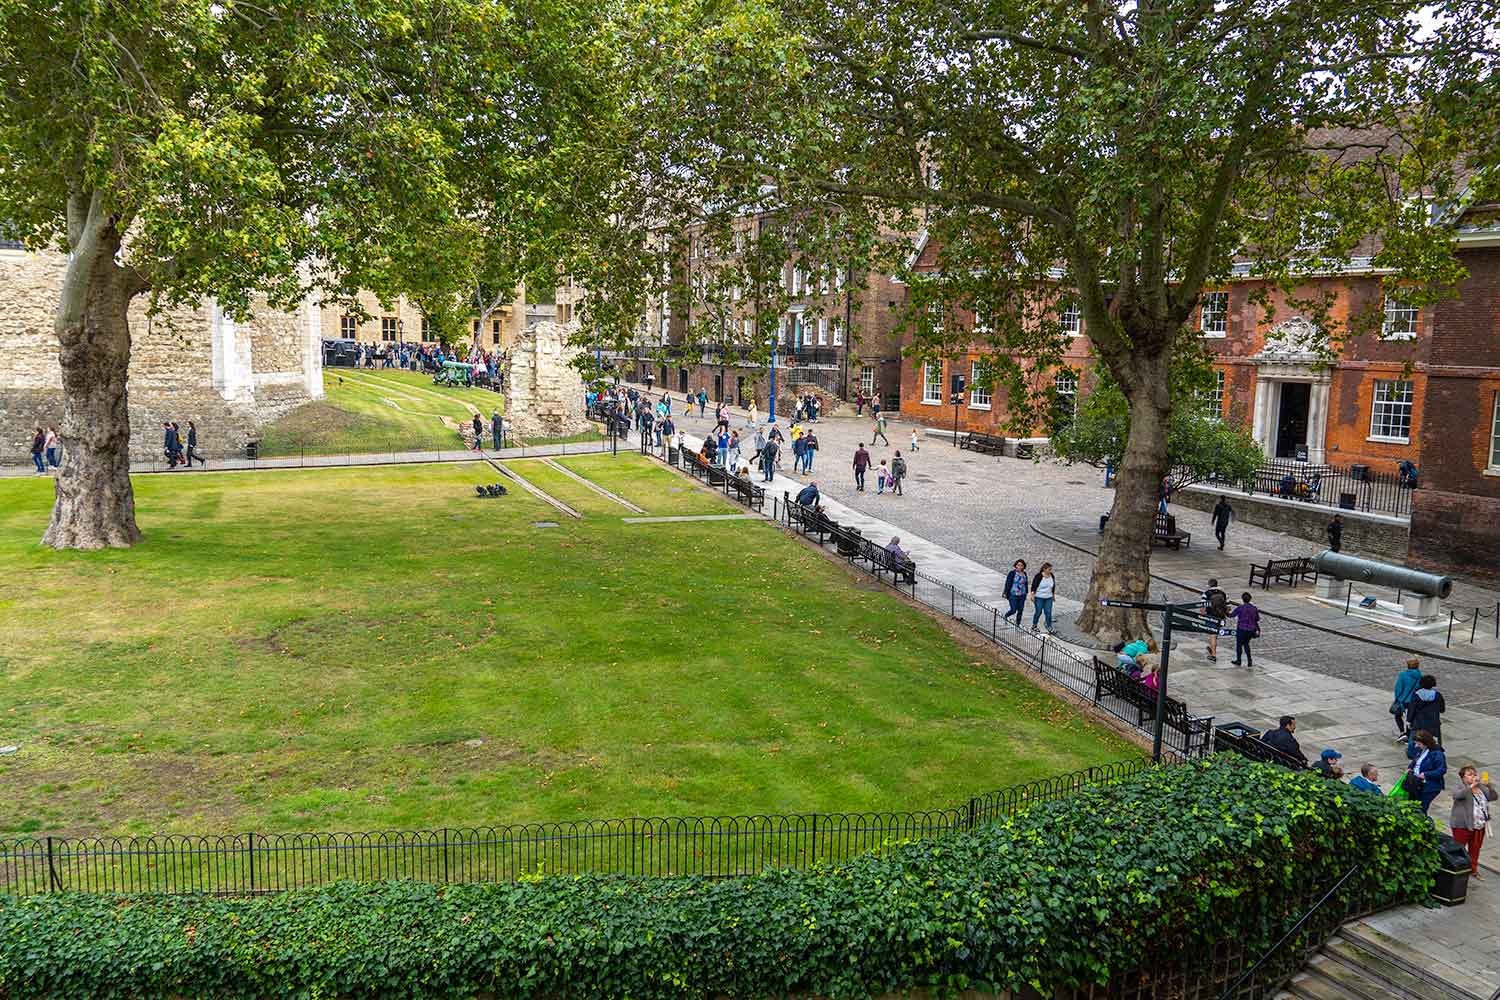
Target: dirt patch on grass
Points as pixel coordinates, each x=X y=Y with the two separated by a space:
x=311 y=420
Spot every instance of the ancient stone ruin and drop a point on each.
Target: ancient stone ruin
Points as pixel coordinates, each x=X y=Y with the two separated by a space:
x=543 y=391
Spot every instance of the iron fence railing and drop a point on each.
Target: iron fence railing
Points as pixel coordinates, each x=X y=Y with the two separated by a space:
x=717 y=846
x=1350 y=487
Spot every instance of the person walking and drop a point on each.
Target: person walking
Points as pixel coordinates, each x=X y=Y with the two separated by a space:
x=497 y=426
x=880 y=477
x=1043 y=592
x=1425 y=710
x=192 y=446
x=898 y=473
x=879 y=431
x=809 y=447
x=768 y=461
x=667 y=431
x=1016 y=586
x=914 y=439
x=861 y=463
x=1429 y=763
x=1407 y=682
x=1336 y=533
x=797 y=446
x=1164 y=495
x=1215 y=606
x=702 y=403
x=169 y=444
x=1222 y=515
x=732 y=462
x=1470 y=818
x=38 y=449
x=50 y=447
x=478 y=433
x=1246 y=627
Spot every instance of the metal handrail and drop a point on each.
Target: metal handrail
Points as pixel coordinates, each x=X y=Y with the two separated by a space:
x=1291 y=933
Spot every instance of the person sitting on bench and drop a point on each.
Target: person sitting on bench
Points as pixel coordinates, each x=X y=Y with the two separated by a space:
x=900 y=561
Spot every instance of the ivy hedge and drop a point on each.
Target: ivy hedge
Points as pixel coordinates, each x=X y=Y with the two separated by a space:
x=1151 y=870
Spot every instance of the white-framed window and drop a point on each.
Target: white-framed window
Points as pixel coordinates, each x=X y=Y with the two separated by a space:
x=1066 y=384
x=348 y=328
x=1071 y=320
x=1214 y=314
x=388 y=328
x=837 y=326
x=839 y=276
x=1065 y=403
x=1400 y=321
x=932 y=382
x=981 y=319
x=734 y=293
x=1390 y=410
x=1495 y=435
x=799 y=281
x=748 y=326
x=426 y=329
x=822 y=331
x=1212 y=400
x=476 y=329
x=784 y=330
x=979 y=395
x=867 y=386
x=495 y=332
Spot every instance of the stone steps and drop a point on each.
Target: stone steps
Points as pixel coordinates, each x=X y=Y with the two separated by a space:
x=1361 y=963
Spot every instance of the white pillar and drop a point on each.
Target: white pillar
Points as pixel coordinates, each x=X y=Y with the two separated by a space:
x=1317 y=423
x=232 y=375
x=312 y=345
x=1263 y=427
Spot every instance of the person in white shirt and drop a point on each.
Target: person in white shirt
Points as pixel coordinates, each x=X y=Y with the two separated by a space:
x=1043 y=590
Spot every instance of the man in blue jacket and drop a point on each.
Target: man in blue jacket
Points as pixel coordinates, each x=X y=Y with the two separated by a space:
x=1407 y=682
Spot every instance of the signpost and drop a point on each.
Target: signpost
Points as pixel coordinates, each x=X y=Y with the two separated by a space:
x=959 y=384
x=1184 y=617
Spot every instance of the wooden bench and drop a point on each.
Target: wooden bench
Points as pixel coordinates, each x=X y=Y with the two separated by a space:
x=987 y=444
x=1164 y=532
x=1195 y=732
x=747 y=493
x=809 y=520
x=881 y=560
x=1294 y=571
x=1251 y=746
x=695 y=465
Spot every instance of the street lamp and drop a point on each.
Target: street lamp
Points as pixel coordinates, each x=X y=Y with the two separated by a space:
x=772 y=342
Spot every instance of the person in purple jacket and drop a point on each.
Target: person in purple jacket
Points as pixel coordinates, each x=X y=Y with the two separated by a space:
x=1246 y=627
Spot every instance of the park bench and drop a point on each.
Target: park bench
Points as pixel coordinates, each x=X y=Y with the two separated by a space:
x=747 y=493
x=1112 y=682
x=882 y=561
x=1249 y=744
x=987 y=444
x=1294 y=571
x=809 y=521
x=1164 y=532
x=695 y=465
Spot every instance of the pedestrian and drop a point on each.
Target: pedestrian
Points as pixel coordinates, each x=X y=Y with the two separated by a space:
x=809 y=447
x=733 y=461
x=1043 y=591
x=898 y=473
x=1470 y=818
x=1215 y=606
x=879 y=431
x=1425 y=710
x=1016 y=586
x=1163 y=495
x=169 y=444
x=1429 y=763
x=1222 y=515
x=192 y=446
x=1367 y=780
x=760 y=443
x=874 y=406
x=859 y=403
x=768 y=461
x=914 y=439
x=1407 y=682
x=797 y=447
x=754 y=413
x=497 y=426
x=1282 y=740
x=1246 y=627
x=667 y=432
x=1336 y=533
x=722 y=440
x=50 y=447
x=702 y=402
x=861 y=463
x=478 y=433
x=880 y=477
x=38 y=448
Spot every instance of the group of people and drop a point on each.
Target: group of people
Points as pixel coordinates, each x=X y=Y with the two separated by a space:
x=1041 y=588
x=45 y=450
x=1417 y=707
x=180 y=449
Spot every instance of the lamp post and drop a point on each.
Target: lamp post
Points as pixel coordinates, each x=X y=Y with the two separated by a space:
x=772 y=342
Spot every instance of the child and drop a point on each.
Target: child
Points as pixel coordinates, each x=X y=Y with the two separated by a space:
x=880 y=475
x=914 y=439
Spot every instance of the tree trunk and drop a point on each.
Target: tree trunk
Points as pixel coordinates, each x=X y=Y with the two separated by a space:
x=1122 y=570
x=94 y=507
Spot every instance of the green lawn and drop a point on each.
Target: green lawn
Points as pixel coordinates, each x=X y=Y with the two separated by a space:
x=365 y=410
x=654 y=488
x=376 y=648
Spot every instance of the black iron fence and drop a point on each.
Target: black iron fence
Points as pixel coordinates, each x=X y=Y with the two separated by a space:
x=1349 y=487
x=717 y=846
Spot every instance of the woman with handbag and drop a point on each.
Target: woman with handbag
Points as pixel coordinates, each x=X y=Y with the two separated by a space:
x=1246 y=627
x=1428 y=765
x=1470 y=819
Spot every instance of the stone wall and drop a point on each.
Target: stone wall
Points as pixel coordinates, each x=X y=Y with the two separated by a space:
x=191 y=363
x=1377 y=536
x=544 y=392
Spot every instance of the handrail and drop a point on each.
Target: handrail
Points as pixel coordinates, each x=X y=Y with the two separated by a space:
x=1291 y=933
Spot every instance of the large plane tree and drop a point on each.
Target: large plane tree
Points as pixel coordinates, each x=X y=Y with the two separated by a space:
x=255 y=151
x=1113 y=157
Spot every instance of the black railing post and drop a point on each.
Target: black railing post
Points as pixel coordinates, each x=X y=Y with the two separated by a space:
x=973 y=809
x=1348 y=597
x=1474 y=628
x=952 y=602
x=994 y=624
x=1449 y=641
x=813 y=854
x=445 y=855
x=250 y=853
x=52 y=879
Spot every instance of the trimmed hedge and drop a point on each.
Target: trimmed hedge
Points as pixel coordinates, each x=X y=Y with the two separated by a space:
x=1151 y=870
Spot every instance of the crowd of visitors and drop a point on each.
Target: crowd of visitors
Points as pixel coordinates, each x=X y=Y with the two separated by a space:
x=485 y=366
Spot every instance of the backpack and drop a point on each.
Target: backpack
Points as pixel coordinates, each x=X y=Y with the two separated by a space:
x=1218 y=602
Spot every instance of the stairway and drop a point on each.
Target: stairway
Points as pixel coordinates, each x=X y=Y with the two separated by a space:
x=1361 y=963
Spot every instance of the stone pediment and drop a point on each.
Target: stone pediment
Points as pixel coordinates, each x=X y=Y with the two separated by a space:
x=1294 y=340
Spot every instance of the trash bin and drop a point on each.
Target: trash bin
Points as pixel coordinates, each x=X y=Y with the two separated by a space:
x=1451 y=887
x=1346 y=501
x=673 y=455
x=252 y=450
x=849 y=541
x=1025 y=451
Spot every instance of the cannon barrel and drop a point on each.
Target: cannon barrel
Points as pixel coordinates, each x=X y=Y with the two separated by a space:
x=1345 y=567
